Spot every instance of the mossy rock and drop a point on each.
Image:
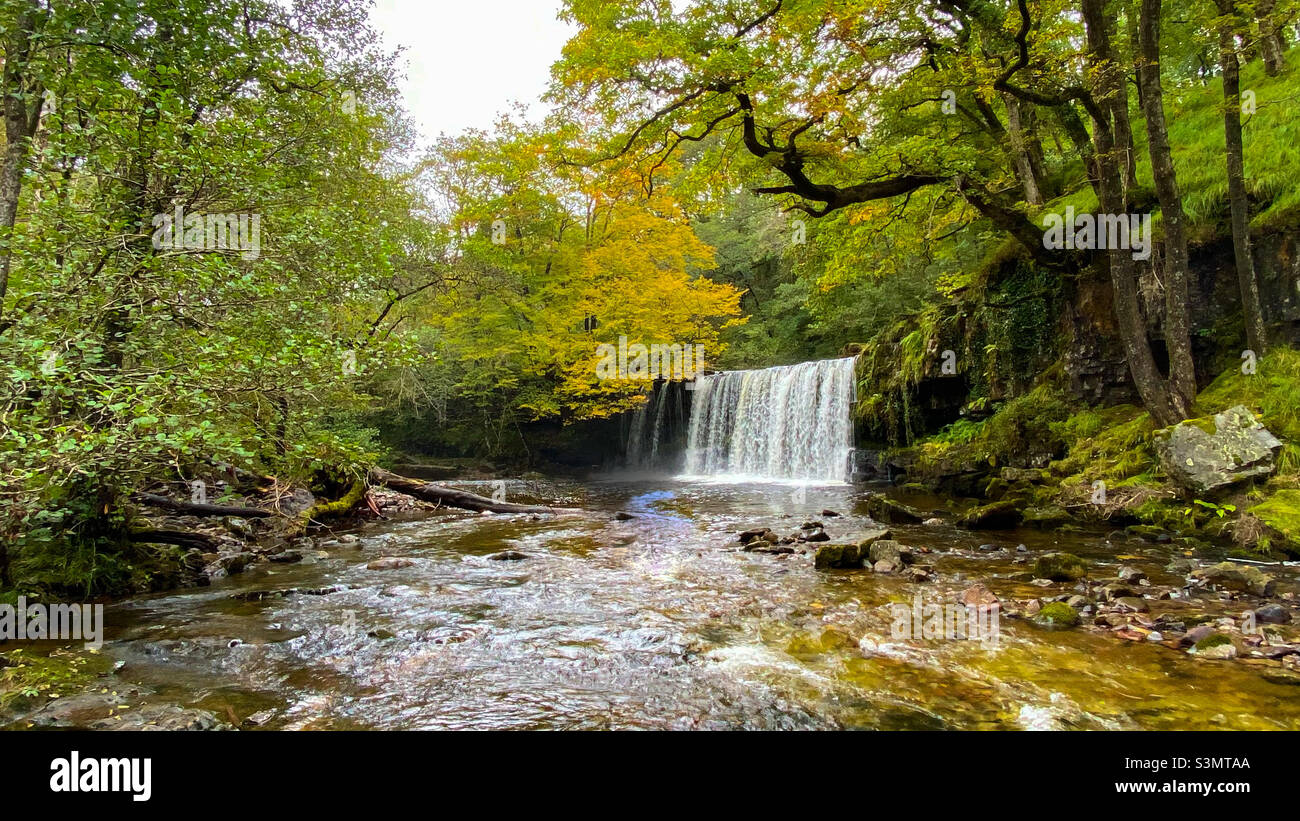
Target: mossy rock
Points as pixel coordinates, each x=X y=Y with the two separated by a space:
x=1213 y=640
x=839 y=557
x=1057 y=614
x=1215 y=646
x=886 y=510
x=995 y=516
x=1046 y=518
x=1281 y=513
x=1060 y=567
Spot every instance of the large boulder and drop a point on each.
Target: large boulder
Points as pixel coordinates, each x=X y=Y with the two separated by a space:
x=1203 y=455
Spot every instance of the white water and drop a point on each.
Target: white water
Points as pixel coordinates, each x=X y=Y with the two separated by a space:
x=785 y=423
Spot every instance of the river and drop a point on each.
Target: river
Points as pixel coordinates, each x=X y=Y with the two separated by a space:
x=659 y=621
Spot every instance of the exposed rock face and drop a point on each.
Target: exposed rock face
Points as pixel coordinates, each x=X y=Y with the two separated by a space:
x=1200 y=460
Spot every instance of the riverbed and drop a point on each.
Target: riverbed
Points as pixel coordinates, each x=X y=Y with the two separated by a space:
x=658 y=620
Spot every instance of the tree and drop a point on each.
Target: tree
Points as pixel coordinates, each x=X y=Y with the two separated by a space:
x=1239 y=205
x=1182 y=368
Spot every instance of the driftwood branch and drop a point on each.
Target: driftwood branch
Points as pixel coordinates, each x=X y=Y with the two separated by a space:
x=429 y=492
x=197 y=509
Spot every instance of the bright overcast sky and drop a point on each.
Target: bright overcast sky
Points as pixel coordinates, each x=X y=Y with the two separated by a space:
x=467 y=60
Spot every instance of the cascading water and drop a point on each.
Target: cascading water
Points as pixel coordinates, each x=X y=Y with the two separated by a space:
x=655 y=438
x=788 y=422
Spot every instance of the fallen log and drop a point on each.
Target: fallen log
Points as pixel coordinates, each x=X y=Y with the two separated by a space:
x=183 y=538
x=198 y=509
x=429 y=492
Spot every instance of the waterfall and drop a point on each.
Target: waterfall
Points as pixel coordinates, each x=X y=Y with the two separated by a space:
x=655 y=437
x=788 y=422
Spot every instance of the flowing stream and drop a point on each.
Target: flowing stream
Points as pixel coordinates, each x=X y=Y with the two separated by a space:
x=658 y=621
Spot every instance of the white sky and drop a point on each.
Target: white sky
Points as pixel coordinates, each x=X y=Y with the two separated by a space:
x=466 y=61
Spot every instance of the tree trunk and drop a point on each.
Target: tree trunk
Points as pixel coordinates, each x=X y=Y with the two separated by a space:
x=437 y=494
x=1119 y=113
x=1123 y=275
x=1272 y=45
x=1251 y=310
x=23 y=99
x=1182 y=367
x=1021 y=155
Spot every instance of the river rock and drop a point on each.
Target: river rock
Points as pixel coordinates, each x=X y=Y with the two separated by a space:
x=1215 y=646
x=508 y=556
x=1060 y=567
x=747 y=536
x=227 y=564
x=872 y=536
x=886 y=510
x=884 y=566
x=1203 y=456
x=1133 y=604
x=888 y=550
x=839 y=556
x=933 y=521
x=995 y=516
x=978 y=595
x=1237 y=577
x=1116 y=590
x=390 y=563
x=1057 y=614
x=1272 y=614
x=1131 y=574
